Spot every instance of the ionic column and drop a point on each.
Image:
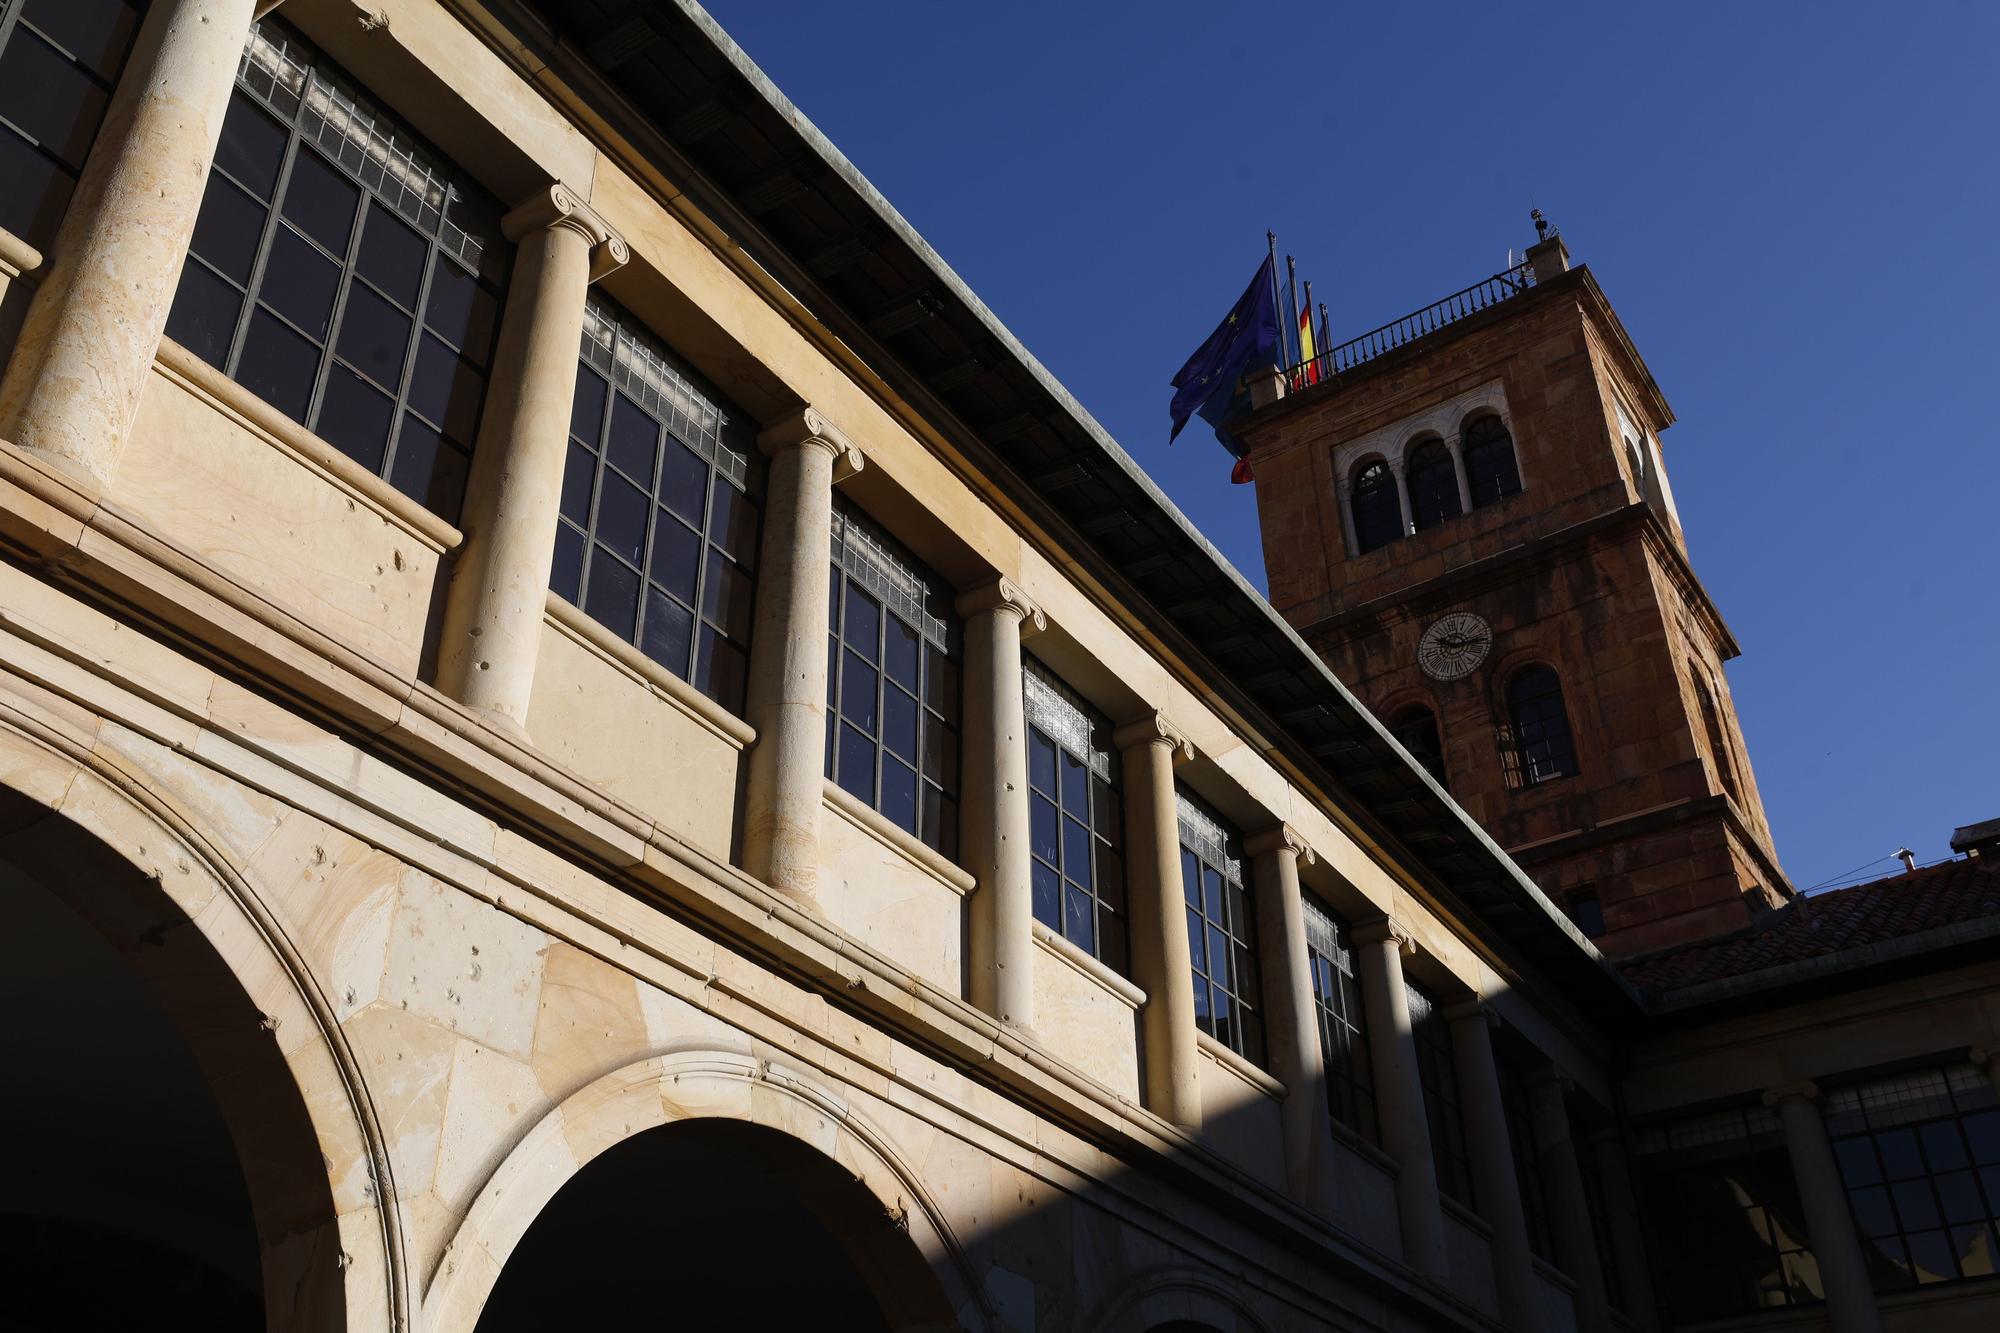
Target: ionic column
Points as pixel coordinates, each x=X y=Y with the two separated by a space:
x=87 y=346
x=1458 y=470
x=1569 y=1205
x=1399 y=1092
x=1843 y=1265
x=1492 y=1153
x=1628 y=1241
x=994 y=816
x=1401 y=472
x=1289 y=1017
x=786 y=694
x=492 y=631
x=1160 y=960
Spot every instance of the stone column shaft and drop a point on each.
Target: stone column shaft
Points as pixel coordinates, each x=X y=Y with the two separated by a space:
x=1160 y=960
x=1627 y=1239
x=1289 y=1013
x=1843 y=1266
x=1402 y=474
x=93 y=328
x=994 y=816
x=1492 y=1153
x=1569 y=1205
x=1458 y=470
x=1399 y=1093
x=786 y=691
x=1347 y=537
x=492 y=632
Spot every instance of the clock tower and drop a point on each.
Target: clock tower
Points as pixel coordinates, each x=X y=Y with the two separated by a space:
x=1467 y=515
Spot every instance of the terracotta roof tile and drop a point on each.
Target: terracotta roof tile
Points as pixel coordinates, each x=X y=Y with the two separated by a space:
x=1946 y=894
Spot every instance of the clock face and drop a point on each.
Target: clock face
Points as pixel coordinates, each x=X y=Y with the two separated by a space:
x=1454 y=645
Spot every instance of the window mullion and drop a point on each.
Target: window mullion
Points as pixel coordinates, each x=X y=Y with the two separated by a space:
x=254 y=287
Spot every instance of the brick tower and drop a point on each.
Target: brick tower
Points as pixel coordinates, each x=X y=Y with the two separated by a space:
x=1465 y=513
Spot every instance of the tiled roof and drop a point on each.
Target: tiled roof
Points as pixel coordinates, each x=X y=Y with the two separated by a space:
x=1947 y=894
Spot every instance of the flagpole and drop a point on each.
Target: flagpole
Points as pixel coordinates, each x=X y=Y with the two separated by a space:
x=1292 y=306
x=1277 y=305
x=1325 y=337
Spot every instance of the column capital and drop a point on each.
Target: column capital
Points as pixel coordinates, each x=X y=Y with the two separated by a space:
x=1386 y=928
x=1547 y=1077
x=556 y=205
x=805 y=427
x=1805 y=1090
x=1002 y=596
x=1154 y=729
x=1280 y=838
x=1469 y=1008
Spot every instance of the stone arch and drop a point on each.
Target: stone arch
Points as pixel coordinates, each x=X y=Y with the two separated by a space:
x=108 y=844
x=1178 y=1299
x=677 y=1087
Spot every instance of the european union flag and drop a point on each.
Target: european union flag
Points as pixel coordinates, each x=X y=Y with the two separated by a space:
x=1248 y=337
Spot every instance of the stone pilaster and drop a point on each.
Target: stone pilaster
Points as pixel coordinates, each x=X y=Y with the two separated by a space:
x=1843 y=1267
x=72 y=389
x=1161 y=963
x=492 y=630
x=786 y=696
x=1569 y=1205
x=1293 y=1026
x=1379 y=947
x=994 y=816
x=1492 y=1154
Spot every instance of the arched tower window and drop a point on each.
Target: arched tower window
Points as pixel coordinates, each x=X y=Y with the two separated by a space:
x=1378 y=515
x=1433 y=485
x=1718 y=739
x=1490 y=465
x=1416 y=730
x=1542 y=744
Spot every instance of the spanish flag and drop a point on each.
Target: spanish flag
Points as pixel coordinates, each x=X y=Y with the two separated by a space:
x=1308 y=354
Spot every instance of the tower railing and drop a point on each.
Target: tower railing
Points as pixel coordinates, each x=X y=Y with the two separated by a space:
x=1481 y=295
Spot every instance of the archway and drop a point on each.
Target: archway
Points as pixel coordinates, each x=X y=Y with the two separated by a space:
x=714 y=1223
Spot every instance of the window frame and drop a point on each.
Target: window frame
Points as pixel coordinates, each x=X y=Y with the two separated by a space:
x=1211 y=851
x=331 y=117
x=1342 y=1022
x=1536 y=743
x=1429 y=459
x=1437 y=1071
x=870 y=564
x=1383 y=494
x=1080 y=753
x=630 y=364
x=1480 y=445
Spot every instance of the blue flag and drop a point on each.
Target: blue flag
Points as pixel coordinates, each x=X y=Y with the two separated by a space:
x=1247 y=337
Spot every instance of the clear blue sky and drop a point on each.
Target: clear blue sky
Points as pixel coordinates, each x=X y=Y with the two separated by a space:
x=1794 y=209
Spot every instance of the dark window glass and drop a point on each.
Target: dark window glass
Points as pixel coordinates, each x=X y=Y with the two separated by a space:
x=1221 y=935
x=1542 y=746
x=1416 y=730
x=1720 y=751
x=1433 y=485
x=1527 y=1148
x=891 y=663
x=1440 y=1082
x=1343 y=1038
x=1587 y=912
x=59 y=61
x=1491 y=470
x=313 y=304
x=1920 y=1155
x=690 y=525
x=1378 y=514
x=1076 y=839
x=1722 y=1216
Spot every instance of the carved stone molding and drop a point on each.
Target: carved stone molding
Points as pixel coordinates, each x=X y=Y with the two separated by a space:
x=1280 y=838
x=1004 y=596
x=807 y=427
x=558 y=206
x=1154 y=729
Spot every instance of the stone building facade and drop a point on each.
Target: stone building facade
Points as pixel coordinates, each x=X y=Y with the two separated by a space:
x=585 y=738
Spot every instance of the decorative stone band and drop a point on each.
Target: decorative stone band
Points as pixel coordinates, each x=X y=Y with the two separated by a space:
x=1805 y=1090
x=1154 y=729
x=1280 y=838
x=806 y=427
x=1386 y=928
x=1004 y=597
x=558 y=206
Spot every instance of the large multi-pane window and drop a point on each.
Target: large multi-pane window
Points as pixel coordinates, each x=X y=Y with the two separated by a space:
x=1722 y=1215
x=1491 y=470
x=892 y=683
x=344 y=272
x=658 y=535
x=1543 y=747
x=1920 y=1155
x=1221 y=935
x=1343 y=1040
x=1441 y=1104
x=1525 y=1145
x=1433 y=482
x=1076 y=834
x=59 y=63
x=1378 y=513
